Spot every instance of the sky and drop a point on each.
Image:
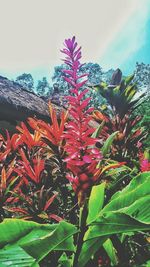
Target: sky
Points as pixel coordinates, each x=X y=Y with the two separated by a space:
x=113 y=33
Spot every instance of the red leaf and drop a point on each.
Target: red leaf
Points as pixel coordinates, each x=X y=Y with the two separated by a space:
x=49 y=202
x=19 y=210
x=3 y=179
x=72 y=156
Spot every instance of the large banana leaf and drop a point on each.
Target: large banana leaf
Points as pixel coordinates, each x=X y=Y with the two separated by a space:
x=96 y=202
x=12 y=230
x=127 y=211
x=16 y=257
x=33 y=240
x=138 y=187
x=60 y=239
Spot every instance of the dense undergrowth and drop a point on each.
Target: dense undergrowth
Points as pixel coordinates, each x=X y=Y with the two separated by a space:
x=75 y=191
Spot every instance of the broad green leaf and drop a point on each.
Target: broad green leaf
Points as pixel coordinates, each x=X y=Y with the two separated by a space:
x=36 y=239
x=40 y=247
x=95 y=202
x=16 y=257
x=128 y=211
x=11 y=230
x=111 y=252
x=139 y=209
x=136 y=189
x=89 y=248
x=115 y=222
x=107 y=145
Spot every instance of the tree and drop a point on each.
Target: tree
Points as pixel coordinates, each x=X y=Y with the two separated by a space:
x=58 y=78
x=94 y=72
x=142 y=76
x=43 y=87
x=26 y=80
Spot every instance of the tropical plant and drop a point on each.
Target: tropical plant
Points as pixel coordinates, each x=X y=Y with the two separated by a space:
x=66 y=171
x=121 y=96
x=27 y=158
x=126 y=212
x=119 y=117
x=128 y=138
x=82 y=156
x=8 y=183
x=38 y=205
x=26 y=243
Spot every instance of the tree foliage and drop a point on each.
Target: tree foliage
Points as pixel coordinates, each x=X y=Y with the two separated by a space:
x=26 y=80
x=43 y=87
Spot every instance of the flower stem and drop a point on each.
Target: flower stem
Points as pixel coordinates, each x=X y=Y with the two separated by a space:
x=83 y=228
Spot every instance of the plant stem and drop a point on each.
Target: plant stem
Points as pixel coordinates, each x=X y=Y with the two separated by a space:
x=83 y=228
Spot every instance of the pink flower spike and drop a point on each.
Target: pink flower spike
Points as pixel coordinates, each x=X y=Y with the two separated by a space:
x=81 y=159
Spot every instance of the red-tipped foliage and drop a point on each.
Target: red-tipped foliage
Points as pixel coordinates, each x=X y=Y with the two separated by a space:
x=53 y=131
x=82 y=159
x=28 y=170
x=26 y=137
x=8 y=144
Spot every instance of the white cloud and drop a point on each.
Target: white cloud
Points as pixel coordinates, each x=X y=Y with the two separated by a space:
x=32 y=31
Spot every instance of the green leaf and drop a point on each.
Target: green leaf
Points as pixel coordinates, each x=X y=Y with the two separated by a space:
x=137 y=188
x=147 y=264
x=64 y=261
x=11 y=230
x=139 y=209
x=111 y=252
x=95 y=202
x=55 y=240
x=107 y=145
x=89 y=248
x=128 y=211
x=36 y=239
x=16 y=257
x=129 y=79
x=114 y=223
